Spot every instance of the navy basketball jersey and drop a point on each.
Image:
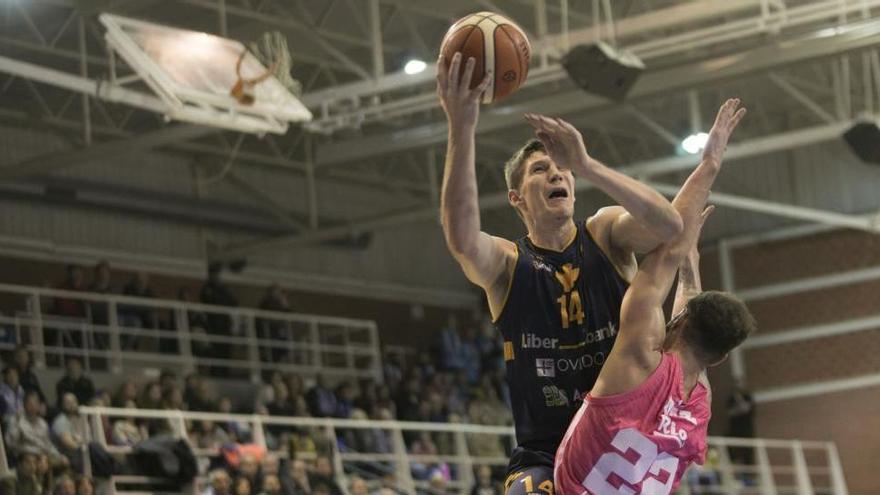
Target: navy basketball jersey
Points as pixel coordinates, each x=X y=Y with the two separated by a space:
x=558 y=322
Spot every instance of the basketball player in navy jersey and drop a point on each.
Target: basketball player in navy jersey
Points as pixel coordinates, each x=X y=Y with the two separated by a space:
x=554 y=294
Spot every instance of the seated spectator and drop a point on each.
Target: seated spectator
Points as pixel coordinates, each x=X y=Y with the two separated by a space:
x=275 y=299
x=271 y=485
x=202 y=400
x=209 y=435
x=26 y=376
x=451 y=353
x=65 y=306
x=11 y=395
x=29 y=433
x=75 y=382
x=197 y=323
x=301 y=443
x=345 y=396
x=220 y=483
x=214 y=291
x=484 y=484
x=249 y=469
x=85 y=486
x=173 y=400
x=71 y=430
x=300 y=475
x=323 y=475
x=126 y=392
x=238 y=431
x=242 y=486
x=151 y=396
x=322 y=402
x=44 y=473
x=64 y=486
x=168 y=381
x=126 y=431
x=358 y=486
x=270 y=464
x=101 y=285
x=424 y=445
x=470 y=355
x=24 y=479
x=132 y=316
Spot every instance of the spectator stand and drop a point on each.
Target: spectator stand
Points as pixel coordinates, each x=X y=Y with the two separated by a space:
x=310 y=345
x=781 y=466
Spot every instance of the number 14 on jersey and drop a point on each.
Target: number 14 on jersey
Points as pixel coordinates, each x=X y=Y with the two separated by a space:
x=571 y=309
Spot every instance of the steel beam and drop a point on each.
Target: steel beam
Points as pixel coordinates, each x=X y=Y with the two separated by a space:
x=651 y=84
x=58 y=161
x=735 y=152
x=779 y=209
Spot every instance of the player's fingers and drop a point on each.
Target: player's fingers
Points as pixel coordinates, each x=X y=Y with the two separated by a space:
x=706 y=212
x=468 y=73
x=566 y=126
x=737 y=117
x=454 y=71
x=442 y=73
x=546 y=140
x=484 y=85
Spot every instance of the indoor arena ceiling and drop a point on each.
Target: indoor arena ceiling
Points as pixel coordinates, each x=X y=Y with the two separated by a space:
x=805 y=69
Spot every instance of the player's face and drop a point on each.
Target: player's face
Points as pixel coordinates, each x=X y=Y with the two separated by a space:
x=547 y=189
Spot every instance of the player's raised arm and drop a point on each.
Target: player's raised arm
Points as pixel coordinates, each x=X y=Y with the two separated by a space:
x=689 y=284
x=642 y=322
x=646 y=218
x=482 y=257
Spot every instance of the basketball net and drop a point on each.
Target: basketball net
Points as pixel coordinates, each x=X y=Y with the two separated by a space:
x=270 y=50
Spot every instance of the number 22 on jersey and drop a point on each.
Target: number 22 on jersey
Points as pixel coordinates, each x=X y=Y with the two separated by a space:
x=645 y=470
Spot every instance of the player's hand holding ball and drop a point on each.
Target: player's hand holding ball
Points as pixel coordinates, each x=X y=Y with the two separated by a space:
x=484 y=58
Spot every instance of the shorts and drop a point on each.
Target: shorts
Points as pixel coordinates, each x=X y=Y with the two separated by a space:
x=530 y=472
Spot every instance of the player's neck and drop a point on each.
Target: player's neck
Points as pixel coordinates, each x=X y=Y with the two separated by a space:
x=553 y=236
x=691 y=366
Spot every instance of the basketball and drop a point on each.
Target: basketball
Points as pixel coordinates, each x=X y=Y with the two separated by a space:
x=497 y=44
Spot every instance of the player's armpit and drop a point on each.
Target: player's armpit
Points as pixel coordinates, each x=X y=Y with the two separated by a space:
x=600 y=227
x=490 y=265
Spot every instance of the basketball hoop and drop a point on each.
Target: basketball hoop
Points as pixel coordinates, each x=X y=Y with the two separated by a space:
x=271 y=50
x=243 y=91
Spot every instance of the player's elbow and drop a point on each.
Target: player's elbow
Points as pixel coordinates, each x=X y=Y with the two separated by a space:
x=669 y=225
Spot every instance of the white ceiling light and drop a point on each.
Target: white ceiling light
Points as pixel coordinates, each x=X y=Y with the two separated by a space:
x=694 y=143
x=414 y=66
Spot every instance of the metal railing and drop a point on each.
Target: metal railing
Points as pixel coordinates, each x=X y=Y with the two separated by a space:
x=125 y=333
x=773 y=467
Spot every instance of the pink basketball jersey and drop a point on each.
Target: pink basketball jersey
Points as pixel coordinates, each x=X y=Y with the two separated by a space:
x=638 y=442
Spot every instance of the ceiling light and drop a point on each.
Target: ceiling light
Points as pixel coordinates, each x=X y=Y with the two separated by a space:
x=695 y=143
x=414 y=66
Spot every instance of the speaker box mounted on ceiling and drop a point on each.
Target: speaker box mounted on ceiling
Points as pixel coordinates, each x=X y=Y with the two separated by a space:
x=864 y=139
x=603 y=70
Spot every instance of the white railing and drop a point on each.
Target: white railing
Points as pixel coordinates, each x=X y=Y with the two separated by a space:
x=776 y=466
x=127 y=333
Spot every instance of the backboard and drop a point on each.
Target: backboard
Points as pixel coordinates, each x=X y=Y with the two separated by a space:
x=193 y=73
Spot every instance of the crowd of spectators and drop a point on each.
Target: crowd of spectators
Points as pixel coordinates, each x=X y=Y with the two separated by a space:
x=458 y=379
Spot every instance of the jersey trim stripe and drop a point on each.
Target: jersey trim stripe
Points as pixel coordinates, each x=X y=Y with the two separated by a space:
x=509 y=286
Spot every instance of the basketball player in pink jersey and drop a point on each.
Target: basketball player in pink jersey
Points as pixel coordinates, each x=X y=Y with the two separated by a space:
x=646 y=418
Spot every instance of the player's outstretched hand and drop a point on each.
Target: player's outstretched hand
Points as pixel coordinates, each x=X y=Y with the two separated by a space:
x=563 y=142
x=728 y=117
x=461 y=104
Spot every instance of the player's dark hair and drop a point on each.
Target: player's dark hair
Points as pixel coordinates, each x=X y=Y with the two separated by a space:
x=717 y=322
x=513 y=169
